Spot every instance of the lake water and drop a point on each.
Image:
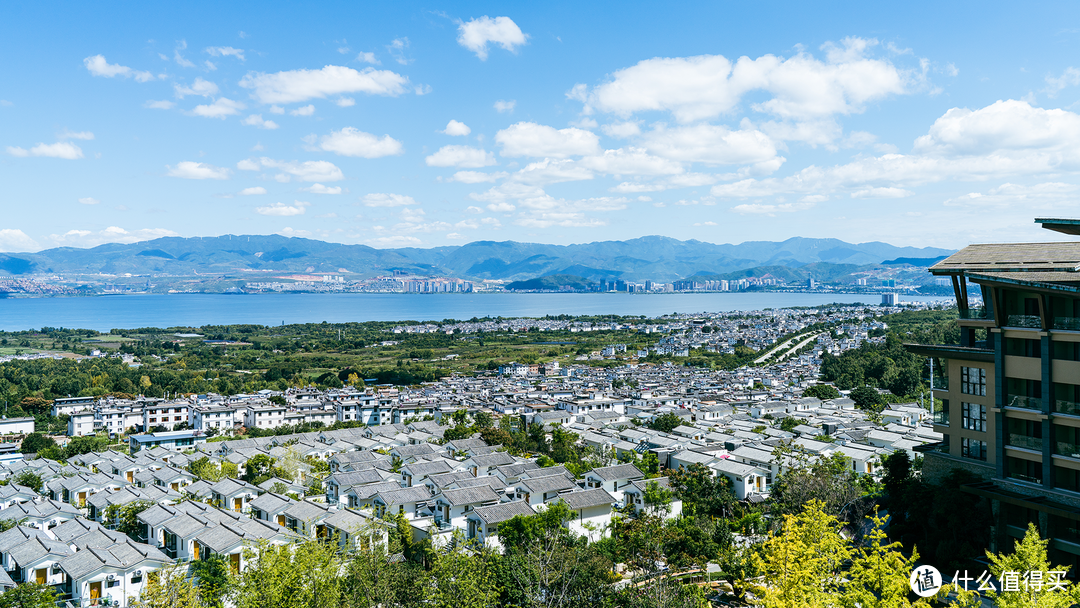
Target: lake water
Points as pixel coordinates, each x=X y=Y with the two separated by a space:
x=129 y=311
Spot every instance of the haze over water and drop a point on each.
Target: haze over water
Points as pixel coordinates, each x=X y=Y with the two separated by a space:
x=130 y=311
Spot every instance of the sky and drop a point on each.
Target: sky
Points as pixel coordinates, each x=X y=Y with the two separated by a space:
x=406 y=124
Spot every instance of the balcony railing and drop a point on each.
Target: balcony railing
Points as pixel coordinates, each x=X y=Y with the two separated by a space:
x=941 y=417
x=1067 y=448
x=974 y=313
x=1070 y=323
x=1027 y=403
x=1062 y=406
x=1027 y=478
x=1025 y=441
x=1029 y=321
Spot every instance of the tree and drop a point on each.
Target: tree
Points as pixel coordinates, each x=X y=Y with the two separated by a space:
x=36 y=442
x=877 y=573
x=483 y=420
x=211 y=576
x=168 y=588
x=1029 y=556
x=665 y=422
x=462 y=578
x=30 y=480
x=825 y=392
x=657 y=499
x=305 y=574
x=206 y=470
x=126 y=518
x=788 y=424
x=261 y=467
x=29 y=595
x=867 y=398
x=701 y=491
x=802 y=564
x=807 y=477
x=897 y=474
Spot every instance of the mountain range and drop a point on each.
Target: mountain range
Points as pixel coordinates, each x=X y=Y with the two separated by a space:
x=657 y=258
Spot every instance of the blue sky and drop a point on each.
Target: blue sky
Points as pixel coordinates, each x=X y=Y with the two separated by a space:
x=416 y=124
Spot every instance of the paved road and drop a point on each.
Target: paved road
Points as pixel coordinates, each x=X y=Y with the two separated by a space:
x=777 y=348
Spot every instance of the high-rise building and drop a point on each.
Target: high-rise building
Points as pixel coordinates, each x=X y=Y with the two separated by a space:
x=1011 y=410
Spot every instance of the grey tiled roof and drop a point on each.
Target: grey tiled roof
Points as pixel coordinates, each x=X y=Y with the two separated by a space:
x=499 y=513
x=583 y=499
x=470 y=496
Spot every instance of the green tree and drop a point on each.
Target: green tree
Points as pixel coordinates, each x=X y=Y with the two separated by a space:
x=789 y=423
x=877 y=576
x=802 y=565
x=462 y=578
x=825 y=392
x=304 y=574
x=1029 y=556
x=211 y=577
x=897 y=474
x=29 y=479
x=168 y=588
x=665 y=422
x=29 y=595
x=807 y=477
x=867 y=398
x=701 y=491
x=125 y=518
x=36 y=442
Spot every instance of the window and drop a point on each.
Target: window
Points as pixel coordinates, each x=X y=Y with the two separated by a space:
x=973 y=381
x=974 y=416
x=973 y=448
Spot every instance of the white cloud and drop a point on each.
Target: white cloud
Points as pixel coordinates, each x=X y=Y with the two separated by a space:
x=367 y=58
x=461 y=156
x=256 y=120
x=252 y=191
x=711 y=144
x=307 y=110
x=354 y=142
x=276 y=110
x=97 y=66
x=300 y=85
x=83 y=135
x=706 y=86
x=159 y=105
x=531 y=139
x=61 y=149
x=471 y=209
x=501 y=207
x=13 y=240
x=321 y=189
x=881 y=193
x=220 y=108
x=283 y=210
x=225 y=51
x=762 y=209
x=475 y=35
x=1004 y=126
x=112 y=234
x=395 y=241
x=306 y=171
x=379 y=199
x=476 y=177
x=345 y=102
x=457 y=128
x=178 y=58
x=192 y=170
x=630 y=161
x=503 y=106
x=1043 y=196
x=621 y=130
x=454 y=236
x=89 y=201
x=704 y=223
x=397 y=50
x=205 y=88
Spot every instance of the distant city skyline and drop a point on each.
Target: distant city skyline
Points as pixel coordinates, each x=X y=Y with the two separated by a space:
x=405 y=124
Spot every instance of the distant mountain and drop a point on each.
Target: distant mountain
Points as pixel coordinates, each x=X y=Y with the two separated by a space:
x=652 y=257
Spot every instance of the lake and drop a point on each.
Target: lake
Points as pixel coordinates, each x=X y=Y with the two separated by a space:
x=129 y=311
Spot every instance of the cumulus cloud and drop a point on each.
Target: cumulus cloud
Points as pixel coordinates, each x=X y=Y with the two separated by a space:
x=621 y=130
x=159 y=105
x=97 y=66
x=503 y=106
x=252 y=191
x=220 y=108
x=192 y=170
x=475 y=35
x=256 y=120
x=13 y=240
x=457 y=128
x=630 y=161
x=89 y=201
x=307 y=110
x=461 y=156
x=1005 y=138
x=61 y=149
x=112 y=234
x=397 y=50
x=380 y=199
x=881 y=193
x=321 y=189
x=367 y=58
x=283 y=210
x=711 y=144
x=301 y=85
x=706 y=86
x=225 y=51
x=205 y=88
x=531 y=139
x=354 y=142
x=1043 y=196
x=306 y=171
